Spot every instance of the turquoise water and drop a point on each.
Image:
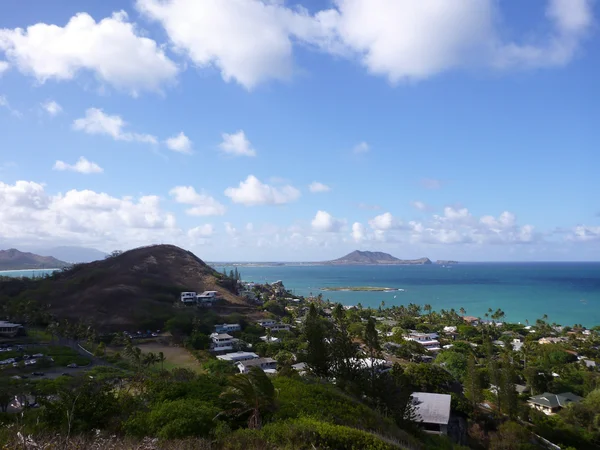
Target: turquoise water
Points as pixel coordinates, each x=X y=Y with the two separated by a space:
x=567 y=292
x=29 y=273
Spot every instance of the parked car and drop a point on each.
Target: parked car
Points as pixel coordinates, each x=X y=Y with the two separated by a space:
x=72 y=366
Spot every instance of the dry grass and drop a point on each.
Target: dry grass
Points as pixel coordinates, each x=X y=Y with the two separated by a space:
x=175 y=356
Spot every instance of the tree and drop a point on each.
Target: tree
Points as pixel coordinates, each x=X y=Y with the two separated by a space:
x=427 y=308
x=251 y=395
x=317 y=352
x=511 y=436
x=371 y=340
x=463 y=311
x=508 y=392
x=161 y=359
x=472 y=383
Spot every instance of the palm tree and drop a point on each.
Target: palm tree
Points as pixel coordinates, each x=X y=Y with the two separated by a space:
x=463 y=311
x=427 y=308
x=161 y=359
x=251 y=395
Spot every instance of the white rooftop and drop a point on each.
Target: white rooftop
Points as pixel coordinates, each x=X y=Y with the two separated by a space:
x=432 y=408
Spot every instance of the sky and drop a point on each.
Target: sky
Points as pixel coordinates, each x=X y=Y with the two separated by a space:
x=273 y=130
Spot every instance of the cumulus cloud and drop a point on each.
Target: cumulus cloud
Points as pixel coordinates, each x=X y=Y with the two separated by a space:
x=384 y=222
x=202 y=203
x=51 y=107
x=316 y=187
x=29 y=214
x=237 y=144
x=358 y=232
x=253 y=192
x=5 y=104
x=180 y=143
x=201 y=231
x=584 y=233
x=81 y=166
x=362 y=147
x=325 y=222
x=97 y=122
x=419 y=205
x=113 y=50
x=4 y=66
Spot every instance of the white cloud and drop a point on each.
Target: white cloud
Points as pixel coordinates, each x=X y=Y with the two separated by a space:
x=237 y=144
x=230 y=229
x=52 y=107
x=112 y=49
x=363 y=147
x=202 y=204
x=572 y=20
x=419 y=205
x=202 y=231
x=82 y=166
x=4 y=66
x=325 y=222
x=180 y=143
x=5 y=104
x=585 y=233
x=316 y=187
x=97 y=122
x=358 y=232
x=384 y=222
x=252 y=192
x=29 y=214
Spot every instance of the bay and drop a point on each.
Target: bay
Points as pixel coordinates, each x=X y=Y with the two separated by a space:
x=568 y=293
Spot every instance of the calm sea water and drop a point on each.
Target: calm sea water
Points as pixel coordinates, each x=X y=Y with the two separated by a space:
x=29 y=273
x=567 y=292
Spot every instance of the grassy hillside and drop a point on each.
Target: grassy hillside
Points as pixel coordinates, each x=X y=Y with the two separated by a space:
x=138 y=288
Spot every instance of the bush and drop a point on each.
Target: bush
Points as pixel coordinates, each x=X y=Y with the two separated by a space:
x=182 y=418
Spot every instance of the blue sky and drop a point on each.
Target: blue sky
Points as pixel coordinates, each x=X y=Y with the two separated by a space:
x=272 y=130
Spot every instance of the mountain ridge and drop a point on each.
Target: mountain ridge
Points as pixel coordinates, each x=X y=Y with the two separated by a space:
x=13 y=259
x=359 y=257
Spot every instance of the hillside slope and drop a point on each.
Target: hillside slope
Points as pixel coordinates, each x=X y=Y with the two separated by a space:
x=369 y=258
x=13 y=259
x=139 y=288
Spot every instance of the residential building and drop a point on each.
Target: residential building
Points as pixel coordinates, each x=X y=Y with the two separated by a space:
x=432 y=411
x=238 y=356
x=301 y=367
x=228 y=328
x=267 y=323
x=278 y=327
x=427 y=340
x=551 y=340
x=272 y=340
x=8 y=329
x=188 y=297
x=550 y=404
x=471 y=320
x=207 y=298
x=517 y=344
x=222 y=342
x=450 y=329
x=269 y=365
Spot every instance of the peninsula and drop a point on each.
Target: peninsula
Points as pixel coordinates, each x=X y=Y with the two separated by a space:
x=13 y=259
x=358 y=257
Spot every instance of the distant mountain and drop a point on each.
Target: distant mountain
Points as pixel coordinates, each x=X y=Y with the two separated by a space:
x=74 y=254
x=372 y=258
x=13 y=259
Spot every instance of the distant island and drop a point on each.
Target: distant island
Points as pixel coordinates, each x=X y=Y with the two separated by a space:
x=442 y=261
x=13 y=259
x=358 y=257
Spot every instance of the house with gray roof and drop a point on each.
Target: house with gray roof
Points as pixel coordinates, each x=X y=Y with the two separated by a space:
x=550 y=404
x=432 y=411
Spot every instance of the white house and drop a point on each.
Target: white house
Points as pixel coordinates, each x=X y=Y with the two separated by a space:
x=207 y=298
x=8 y=329
x=267 y=323
x=238 y=356
x=278 y=327
x=188 y=297
x=222 y=342
x=432 y=411
x=269 y=365
x=427 y=340
x=228 y=328
x=272 y=340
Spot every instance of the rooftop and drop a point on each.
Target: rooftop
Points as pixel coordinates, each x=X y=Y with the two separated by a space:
x=555 y=400
x=432 y=408
x=258 y=362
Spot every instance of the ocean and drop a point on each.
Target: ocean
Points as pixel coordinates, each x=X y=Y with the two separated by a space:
x=29 y=273
x=567 y=293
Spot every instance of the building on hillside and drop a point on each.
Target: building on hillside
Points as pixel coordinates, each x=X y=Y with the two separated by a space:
x=188 y=298
x=8 y=329
x=278 y=327
x=471 y=320
x=380 y=365
x=268 y=365
x=272 y=339
x=517 y=344
x=207 y=298
x=432 y=411
x=228 y=328
x=222 y=342
x=550 y=404
x=300 y=367
x=427 y=340
x=551 y=340
x=238 y=356
x=267 y=323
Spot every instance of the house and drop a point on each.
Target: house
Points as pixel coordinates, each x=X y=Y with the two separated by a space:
x=550 y=404
x=222 y=342
x=227 y=328
x=517 y=344
x=272 y=340
x=269 y=365
x=301 y=367
x=278 y=327
x=380 y=365
x=8 y=329
x=207 y=298
x=427 y=340
x=267 y=323
x=188 y=298
x=450 y=329
x=471 y=320
x=238 y=356
x=499 y=343
x=551 y=340
x=432 y=411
